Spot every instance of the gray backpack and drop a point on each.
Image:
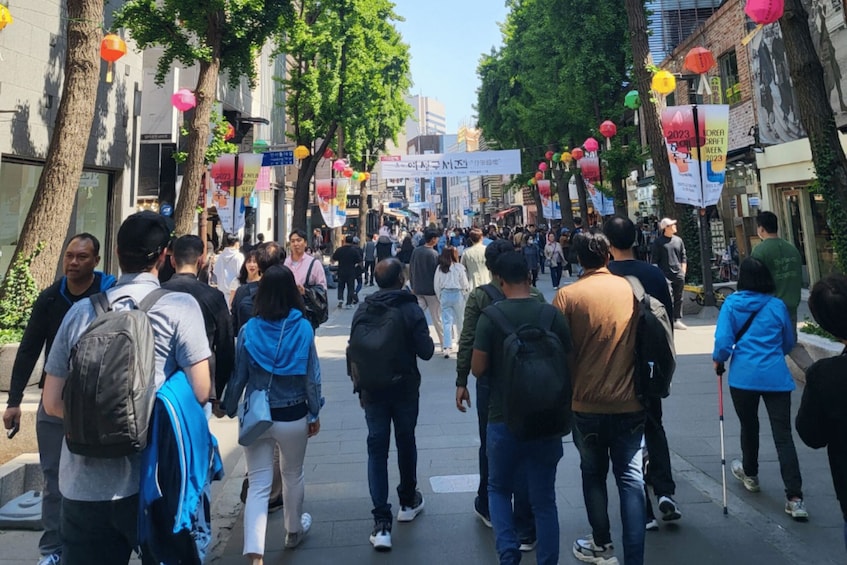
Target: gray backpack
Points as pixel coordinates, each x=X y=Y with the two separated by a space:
x=111 y=389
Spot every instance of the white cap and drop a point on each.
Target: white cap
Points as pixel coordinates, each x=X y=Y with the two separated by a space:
x=666 y=222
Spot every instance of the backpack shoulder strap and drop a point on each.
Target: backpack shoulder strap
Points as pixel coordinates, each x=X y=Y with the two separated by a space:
x=547 y=317
x=500 y=320
x=151 y=299
x=101 y=303
x=493 y=293
x=637 y=287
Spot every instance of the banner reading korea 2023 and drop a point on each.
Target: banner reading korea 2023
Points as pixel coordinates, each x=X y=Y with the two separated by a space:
x=507 y=162
x=697 y=139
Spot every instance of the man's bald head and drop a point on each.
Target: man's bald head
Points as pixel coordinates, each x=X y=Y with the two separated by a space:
x=389 y=274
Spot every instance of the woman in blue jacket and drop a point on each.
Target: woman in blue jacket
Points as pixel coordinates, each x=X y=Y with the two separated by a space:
x=276 y=351
x=758 y=370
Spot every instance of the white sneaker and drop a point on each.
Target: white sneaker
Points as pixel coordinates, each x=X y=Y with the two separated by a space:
x=408 y=513
x=52 y=559
x=587 y=551
x=652 y=525
x=678 y=325
x=797 y=510
x=381 y=537
x=292 y=540
x=750 y=483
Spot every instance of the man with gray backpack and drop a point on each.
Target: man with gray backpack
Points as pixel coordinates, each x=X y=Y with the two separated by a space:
x=111 y=354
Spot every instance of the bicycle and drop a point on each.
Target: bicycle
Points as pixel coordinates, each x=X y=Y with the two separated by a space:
x=721 y=290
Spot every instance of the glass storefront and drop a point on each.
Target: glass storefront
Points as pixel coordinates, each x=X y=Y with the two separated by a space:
x=18 y=182
x=823 y=242
x=804 y=223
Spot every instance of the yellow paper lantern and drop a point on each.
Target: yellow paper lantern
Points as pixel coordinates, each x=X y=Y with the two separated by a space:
x=301 y=152
x=5 y=17
x=566 y=157
x=663 y=82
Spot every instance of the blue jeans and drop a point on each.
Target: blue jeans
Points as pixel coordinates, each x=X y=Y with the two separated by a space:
x=402 y=410
x=524 y=520
x=452 y=311
x=599 y=438
x=556 y=274
x=509 y=461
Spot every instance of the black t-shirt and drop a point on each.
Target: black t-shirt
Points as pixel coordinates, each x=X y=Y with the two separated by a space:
x=347 y=257
x=651 y=279
x=669 y=254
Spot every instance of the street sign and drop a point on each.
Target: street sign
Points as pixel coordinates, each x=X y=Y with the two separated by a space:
x=277 y=158
x=482 y=200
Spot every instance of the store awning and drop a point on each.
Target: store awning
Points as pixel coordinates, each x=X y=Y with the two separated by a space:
x=394 y=213
x=499 y=215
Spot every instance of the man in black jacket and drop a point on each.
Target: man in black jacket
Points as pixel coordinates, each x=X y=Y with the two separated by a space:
x=347 y=256
x=397 y=404
x=80 y=280
x=187 y=258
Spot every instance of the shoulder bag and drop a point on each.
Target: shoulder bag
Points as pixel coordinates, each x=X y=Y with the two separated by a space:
x=315 y=300
x=254 y=417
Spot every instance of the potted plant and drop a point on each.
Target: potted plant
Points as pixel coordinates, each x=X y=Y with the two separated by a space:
x=18 y=292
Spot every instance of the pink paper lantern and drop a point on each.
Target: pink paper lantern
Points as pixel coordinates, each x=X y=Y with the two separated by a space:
x=549 y=155
x=764 y=12
x=542 y=166
x=591 y=145
x=183 y=99
x=339 y=165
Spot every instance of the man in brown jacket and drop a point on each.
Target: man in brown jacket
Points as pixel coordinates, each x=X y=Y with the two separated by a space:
x=608 y=418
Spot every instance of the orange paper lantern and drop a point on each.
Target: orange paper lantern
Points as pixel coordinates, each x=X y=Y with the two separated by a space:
x=699 y=60
x=112 y=48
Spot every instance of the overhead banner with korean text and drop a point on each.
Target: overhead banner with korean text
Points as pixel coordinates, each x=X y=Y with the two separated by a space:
x=475 y=163
x=331 y=195
x=603 y=205
x=551 y=209
x=697 y=139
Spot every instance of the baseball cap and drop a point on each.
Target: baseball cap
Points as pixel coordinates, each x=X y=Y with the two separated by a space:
x=144 y=234
x=666 y=222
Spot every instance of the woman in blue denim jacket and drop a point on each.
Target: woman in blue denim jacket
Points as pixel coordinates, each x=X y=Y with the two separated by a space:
x=276 y=351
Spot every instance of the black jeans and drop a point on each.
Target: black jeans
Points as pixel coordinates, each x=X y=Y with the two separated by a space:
x=659 y=470
x=100 y=532
x=677 y=285
x=369 y=272
x=778 y=405
x=350 y=284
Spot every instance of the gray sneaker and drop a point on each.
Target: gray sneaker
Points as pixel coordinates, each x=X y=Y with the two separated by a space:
x=587 y=551
x=294 y=539
x=750 y=483
x=797 y=510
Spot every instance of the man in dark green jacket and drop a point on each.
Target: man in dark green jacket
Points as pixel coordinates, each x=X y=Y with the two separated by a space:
x=479 y=299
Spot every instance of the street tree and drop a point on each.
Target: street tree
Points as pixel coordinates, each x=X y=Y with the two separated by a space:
x=222 y=36
x=338 y=50
x=50 y=213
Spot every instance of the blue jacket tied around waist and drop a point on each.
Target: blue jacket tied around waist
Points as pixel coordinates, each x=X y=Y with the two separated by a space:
x=178 y=465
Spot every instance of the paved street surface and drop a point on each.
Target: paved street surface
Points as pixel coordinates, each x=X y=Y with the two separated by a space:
x=756 y=531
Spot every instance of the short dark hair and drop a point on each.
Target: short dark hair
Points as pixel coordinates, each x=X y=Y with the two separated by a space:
x=277 y=294
x=754 y=275
x=512 y=268
x=230 y=239
x=269 y=254
x=430 y=234
x=348 y=240
x=577 y=221
x=95 y=243
x=260 y=237
x=620 y=231
x=186 y=250
x=828 y=301
x=494 y=250
x=767 y=221
x=592 y=249
x=388 y=273
x=142 y=238
x=299 y=233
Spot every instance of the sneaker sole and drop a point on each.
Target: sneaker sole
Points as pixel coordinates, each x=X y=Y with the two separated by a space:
x=652 y=526
x=669 y=515
x=797 y=516
x=750 y=488
x=527 y=547
x=482 y=517
x=381 y=546
x=596 y=560
x=409 y=515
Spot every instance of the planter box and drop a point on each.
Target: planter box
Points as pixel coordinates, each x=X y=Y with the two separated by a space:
x=8 y=353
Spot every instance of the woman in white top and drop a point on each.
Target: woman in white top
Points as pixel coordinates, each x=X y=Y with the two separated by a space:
x=555 y=258
x=451 y=288
x=299 y=262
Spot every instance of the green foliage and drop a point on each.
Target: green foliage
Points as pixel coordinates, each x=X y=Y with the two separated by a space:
x=826 y=165
x=810 y=327
x=190 y=31
x=218 y=146
x=19 y=293
x=689 y=231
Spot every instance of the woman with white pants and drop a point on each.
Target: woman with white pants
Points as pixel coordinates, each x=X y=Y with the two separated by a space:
x=276 y=352
x=451 y=288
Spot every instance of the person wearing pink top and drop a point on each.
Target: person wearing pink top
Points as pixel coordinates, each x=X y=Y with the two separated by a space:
x=299 y=262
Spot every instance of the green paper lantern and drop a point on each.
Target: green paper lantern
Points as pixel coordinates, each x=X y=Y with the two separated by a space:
x=632 y=100
x=557 y=157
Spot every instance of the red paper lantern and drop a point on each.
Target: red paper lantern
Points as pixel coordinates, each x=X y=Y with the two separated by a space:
x=328 y=154
x=348 y=172
x=591 y=145
x=608 y=129
x=699 y=60
x=577 y=154
x=230 y=131
x=112 y=48
x=548 y=155
x=539 y=175
x=764 y=12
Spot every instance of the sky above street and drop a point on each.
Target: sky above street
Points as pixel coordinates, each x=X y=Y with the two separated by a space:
x=446 y=39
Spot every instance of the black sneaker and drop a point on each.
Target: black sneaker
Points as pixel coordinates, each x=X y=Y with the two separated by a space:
x=408 y=513
x=668 y=508
x=482 y=513
x=381 y=536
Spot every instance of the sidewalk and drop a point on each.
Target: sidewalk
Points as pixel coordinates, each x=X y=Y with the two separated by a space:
x=756 y=531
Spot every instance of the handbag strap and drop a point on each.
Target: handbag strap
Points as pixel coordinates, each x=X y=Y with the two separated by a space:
x=746 y=326
x=309 y=273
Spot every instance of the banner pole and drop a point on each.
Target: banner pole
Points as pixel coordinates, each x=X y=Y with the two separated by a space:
x=703 y=221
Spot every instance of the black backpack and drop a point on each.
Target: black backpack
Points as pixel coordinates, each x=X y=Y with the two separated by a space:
x=111 y=390
x=655 y=356
x=375 y=346
x=315 y=299
x=537 y=383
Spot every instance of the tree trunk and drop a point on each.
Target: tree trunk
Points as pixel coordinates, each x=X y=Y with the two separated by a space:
x=303 y=187
x=50 y=213
x=650 y=122
x=582 y=195
x=807 y=76
x=562 y=181
x=619 y=187
x=539 y=208
x=363 y=212
x=198 y=136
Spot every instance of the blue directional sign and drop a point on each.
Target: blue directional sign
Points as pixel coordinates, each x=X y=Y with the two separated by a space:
x=277 y=158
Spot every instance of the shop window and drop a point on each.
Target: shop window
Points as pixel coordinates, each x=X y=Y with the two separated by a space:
x=729 y=78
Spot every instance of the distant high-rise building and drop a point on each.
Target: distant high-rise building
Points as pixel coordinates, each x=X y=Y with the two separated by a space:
x=672 y=21
x=428 y=117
